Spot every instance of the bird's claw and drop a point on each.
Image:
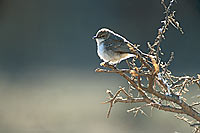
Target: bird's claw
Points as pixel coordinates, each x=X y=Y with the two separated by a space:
x=102 y=63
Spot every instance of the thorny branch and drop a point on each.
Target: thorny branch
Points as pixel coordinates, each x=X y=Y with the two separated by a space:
x=161 y=85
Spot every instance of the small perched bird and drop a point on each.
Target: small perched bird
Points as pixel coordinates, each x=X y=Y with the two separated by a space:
x=111 y=47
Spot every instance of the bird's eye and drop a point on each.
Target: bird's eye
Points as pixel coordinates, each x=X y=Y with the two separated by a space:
x=103 y=35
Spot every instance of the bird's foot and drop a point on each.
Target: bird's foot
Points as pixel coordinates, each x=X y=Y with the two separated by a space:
x=107 y=64
x=103 y=63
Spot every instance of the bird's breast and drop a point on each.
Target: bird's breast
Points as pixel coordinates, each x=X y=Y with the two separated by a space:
x=102 y=53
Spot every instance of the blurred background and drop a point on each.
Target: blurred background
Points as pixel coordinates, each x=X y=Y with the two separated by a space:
x=47 y=63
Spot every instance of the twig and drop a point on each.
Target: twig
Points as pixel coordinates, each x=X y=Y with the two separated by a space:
x=111 y=101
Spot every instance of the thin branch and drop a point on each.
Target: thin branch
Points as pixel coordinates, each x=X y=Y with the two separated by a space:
x=113 y=71
x=111 y=101
x=195 y=104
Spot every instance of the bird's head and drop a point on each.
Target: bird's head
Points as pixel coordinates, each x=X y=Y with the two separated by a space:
x=102 y=35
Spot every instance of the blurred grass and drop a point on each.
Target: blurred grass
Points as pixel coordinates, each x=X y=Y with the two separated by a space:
x=69 y=101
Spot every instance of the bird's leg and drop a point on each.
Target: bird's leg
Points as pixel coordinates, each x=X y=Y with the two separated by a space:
x=114 y=66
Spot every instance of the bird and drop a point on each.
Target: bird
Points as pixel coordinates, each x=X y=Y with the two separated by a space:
x=112 y=48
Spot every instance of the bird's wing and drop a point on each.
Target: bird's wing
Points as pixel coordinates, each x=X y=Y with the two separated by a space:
x=119 y=46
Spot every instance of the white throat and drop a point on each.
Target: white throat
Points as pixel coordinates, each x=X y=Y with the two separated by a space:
x=99 y=40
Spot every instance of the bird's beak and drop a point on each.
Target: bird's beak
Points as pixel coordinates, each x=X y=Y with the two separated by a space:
x=94 y=37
